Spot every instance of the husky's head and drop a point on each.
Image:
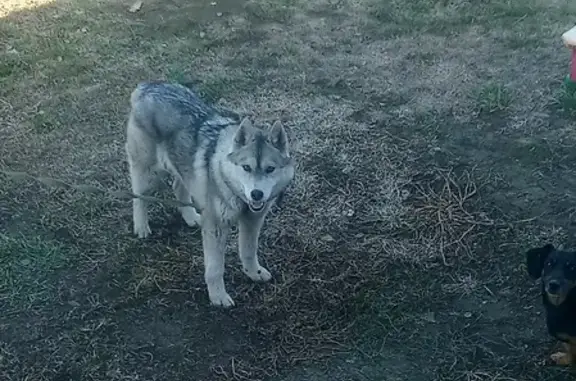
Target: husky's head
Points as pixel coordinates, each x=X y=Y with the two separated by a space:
x=260 y=164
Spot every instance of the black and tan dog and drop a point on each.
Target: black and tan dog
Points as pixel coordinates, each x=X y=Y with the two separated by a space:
x=557 y=269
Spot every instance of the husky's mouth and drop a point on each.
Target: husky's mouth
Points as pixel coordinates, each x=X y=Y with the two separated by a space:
x=256 y=206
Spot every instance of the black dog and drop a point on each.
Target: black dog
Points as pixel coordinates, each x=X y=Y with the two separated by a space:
x=558 y=272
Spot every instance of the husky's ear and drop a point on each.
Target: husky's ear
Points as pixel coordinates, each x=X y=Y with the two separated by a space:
x=279 y=138
x=535 y=259
x=240 y=138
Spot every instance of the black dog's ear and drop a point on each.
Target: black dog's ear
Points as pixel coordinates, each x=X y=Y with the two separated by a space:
x=535 y=259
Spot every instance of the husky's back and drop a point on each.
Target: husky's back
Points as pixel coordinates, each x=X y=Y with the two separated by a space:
x=161 y=109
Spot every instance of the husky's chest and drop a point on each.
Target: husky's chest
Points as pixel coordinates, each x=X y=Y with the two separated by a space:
x=227 y=211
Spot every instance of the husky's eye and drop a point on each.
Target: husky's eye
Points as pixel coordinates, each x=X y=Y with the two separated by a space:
x=247 y=168
x=270 y=169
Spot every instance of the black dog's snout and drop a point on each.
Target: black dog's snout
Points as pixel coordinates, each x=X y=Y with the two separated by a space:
x=553 y=286
x=256 y=194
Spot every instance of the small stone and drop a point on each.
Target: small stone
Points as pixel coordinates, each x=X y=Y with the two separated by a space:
x=219 y=14
x=135 y=7
x=429 y=317
x=327 y=238
x=202 y=34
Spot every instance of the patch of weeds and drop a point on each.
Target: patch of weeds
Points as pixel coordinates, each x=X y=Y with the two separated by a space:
x=444 y=17
x=9 y=66
x=280 y=11
x=530 y=152
x=512 y=9
x=238 y=38
x=176 y=74
x=215 y=88
x=493 y=98
x=436 y=17
x=6 y=69
x=521 y=41
x=25 y=267
x=566 y=98
x=426 y=58
x=373 y=322
x=44 y=122
x=261 y=60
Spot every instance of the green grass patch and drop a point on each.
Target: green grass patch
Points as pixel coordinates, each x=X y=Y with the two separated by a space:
x=566 y=98
x=44 y=122
x=216 y=87
x=492 y=98
x=449 y=17
x=27 y=266
x=270 y=11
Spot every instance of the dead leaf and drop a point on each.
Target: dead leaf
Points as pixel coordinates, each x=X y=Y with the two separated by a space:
x=135 y=7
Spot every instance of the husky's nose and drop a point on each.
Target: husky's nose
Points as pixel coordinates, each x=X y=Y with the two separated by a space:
x=256 y=194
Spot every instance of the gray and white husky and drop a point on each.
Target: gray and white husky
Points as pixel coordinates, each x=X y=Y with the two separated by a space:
x=231 y=170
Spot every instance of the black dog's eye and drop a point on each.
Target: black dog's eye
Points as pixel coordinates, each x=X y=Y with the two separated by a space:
x=270 y=169
x=247 y=168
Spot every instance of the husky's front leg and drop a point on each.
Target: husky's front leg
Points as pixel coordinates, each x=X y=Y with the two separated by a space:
x=248 y=232
x=190 y=215
x=214 y=236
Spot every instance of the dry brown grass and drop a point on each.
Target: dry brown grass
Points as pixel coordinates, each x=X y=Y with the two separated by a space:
x=10 y=6
x=431 y=152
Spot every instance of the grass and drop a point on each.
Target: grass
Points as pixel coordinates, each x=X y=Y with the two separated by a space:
x=27 y=266
x=493 y=98
x=431 y=154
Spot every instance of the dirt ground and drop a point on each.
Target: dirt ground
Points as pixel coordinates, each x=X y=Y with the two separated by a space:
x=434 y=147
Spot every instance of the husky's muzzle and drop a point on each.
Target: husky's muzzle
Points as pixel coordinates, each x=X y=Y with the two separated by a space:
x=256 y=206
x=256 y=201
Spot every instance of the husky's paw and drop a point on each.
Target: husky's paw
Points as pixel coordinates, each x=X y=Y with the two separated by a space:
x=260 y=275
x=191 y=216
x=142 y=230
x=561 y=358
x=221 y=300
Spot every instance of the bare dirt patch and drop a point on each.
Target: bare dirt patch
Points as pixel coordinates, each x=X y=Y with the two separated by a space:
x=433 y=148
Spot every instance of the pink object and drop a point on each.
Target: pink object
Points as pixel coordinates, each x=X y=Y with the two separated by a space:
x=573 y=66
x=569 y=39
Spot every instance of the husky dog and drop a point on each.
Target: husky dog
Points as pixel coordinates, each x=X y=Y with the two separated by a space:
x=230 y=170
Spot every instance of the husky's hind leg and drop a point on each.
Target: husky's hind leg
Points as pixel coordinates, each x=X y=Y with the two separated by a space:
x=142 y=181
x=189 y=213
x=141 y=154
